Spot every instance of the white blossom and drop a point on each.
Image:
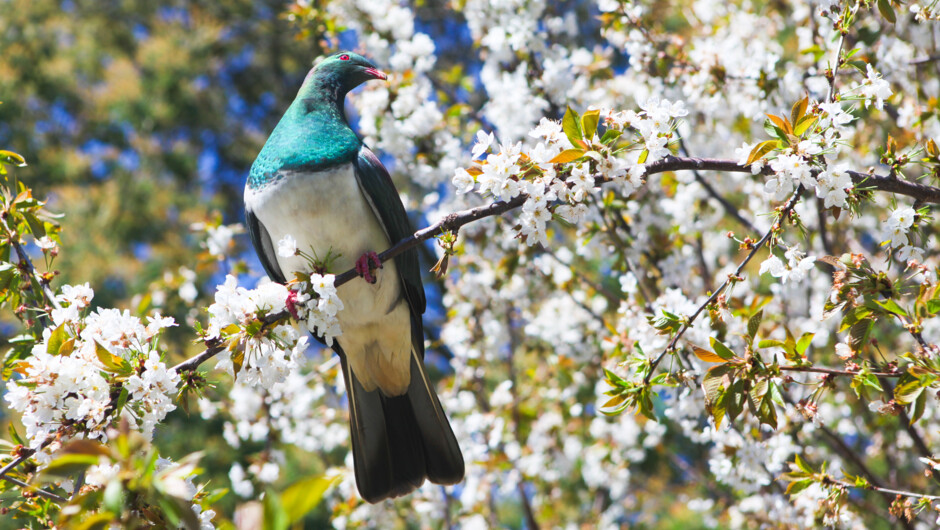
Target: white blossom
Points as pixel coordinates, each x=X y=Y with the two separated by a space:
x=287 y=246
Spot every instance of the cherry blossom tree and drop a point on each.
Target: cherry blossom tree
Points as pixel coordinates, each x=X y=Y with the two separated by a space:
x=686 y=272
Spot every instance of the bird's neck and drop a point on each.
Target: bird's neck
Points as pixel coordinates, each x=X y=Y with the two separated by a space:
x=313 y=135
x=320 y=134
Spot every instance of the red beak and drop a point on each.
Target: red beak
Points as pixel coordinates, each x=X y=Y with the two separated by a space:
x=377 y=74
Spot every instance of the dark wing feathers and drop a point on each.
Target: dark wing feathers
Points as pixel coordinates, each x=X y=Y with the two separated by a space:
x=378 y=188
x=417 y=435
x=264 y=247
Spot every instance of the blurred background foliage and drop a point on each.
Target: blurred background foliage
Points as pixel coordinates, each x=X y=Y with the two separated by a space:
x=140 y=118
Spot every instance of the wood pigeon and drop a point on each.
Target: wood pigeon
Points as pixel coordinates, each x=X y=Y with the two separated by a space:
x=316 y=181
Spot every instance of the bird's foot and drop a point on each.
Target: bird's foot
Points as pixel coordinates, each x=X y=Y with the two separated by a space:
x=366 y=264
x=293 y=304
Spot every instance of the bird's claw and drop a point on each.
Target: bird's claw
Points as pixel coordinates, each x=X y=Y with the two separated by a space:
x=366 y=264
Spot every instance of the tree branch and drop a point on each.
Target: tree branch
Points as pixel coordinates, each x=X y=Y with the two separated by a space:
x=921 y=192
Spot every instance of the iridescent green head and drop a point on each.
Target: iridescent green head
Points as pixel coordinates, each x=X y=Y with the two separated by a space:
x=313 y=134
x=338 y=74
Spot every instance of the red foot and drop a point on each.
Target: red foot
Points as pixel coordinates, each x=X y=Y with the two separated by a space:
x=366 y=264
x=292 y=305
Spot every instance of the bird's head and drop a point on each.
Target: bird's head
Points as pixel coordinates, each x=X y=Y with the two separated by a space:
x=341 y=72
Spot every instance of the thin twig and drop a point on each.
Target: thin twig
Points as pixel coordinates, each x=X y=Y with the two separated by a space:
x=890 y=491
x=38 y=491
x=833 y=371
x=921 y=61
x=27 y=263
x=24 y=455
x=875 y=483
x=714 y=296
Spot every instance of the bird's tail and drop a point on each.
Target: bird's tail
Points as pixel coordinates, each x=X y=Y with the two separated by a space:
x=399 y=441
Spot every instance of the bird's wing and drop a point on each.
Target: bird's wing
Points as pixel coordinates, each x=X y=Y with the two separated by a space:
x=377 y=187
x=263 y=246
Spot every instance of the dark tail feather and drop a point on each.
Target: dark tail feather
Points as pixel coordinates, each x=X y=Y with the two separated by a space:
x=398 y=441
x=443 y=459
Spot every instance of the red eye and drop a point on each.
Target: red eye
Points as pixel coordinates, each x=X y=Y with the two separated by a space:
x=344 y=57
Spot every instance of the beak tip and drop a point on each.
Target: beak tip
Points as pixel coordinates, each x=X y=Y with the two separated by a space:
x=377 y=74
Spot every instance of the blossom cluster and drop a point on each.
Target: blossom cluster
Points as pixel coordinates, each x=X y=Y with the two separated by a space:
x=795 y=268
x=258 y=356
x=898 y=225
x=300 y=411
x=803 y=163
x=71 y=376
x=568 y=167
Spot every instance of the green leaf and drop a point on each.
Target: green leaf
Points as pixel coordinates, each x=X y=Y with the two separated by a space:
x=111 y=362
x=858 y=333
x=759 y=390
x=275 y=518
x=908 y=390
x=804 y=124
x=863 y=381
x=771 y=343
x=719 y=407
x=9 y=157
x=179 y=511
x=122 y=399
x=56 y=339
x=891 y=306
x=804 y=342
x=767 y=412
x=8 y=272
x=646 y=404
x=70 y=464
x=753 y=324
x=214 y=496
x=14 y=435
x=613 y=404
x=773 y=131
x=798 y=110
x=761 y=149
x=720 y=349
x=566 y=156
x=855 y=315
x=734 y=400
x=589 y=123
x=802 y=465
x=613 y=379
x=887 y=11
x=798 y=486
x=919 y=406
x=36 y=227
x=713 y=382
x=610 y=136
x=96 y=521
x=933 y=306
x=571 y=124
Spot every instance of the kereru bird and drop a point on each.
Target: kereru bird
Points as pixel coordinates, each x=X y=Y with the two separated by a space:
x=316 y=181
